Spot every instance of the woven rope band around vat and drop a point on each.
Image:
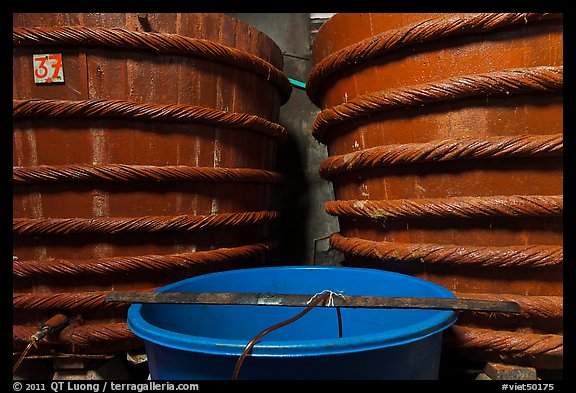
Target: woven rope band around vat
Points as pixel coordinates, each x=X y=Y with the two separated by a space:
x=452 y=207
x=69 y=301
x=509 y=345
x=83 y=335
x=145 y=111
x=518 y=343
x=125 y=264
x=444 y=150
x=156 y=42
x=115 y=225
x=414 y=34
x=136 y=173
x=531 y=306
x=532 y=256
x=511 y=81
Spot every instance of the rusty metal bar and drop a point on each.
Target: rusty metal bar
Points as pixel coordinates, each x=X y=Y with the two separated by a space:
x=298 y=300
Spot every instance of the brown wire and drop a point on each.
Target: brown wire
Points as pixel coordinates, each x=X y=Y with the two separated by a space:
x=51 y=324
x=315 y=301
x=31 y=344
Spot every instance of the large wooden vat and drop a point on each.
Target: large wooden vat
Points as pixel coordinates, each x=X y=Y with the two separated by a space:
x=153 y=161
x=444 y=133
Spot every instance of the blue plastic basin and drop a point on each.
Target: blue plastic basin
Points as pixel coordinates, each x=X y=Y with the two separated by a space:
x=205 y=341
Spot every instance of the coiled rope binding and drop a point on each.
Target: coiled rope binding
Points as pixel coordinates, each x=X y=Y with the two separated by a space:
x=156 y=42
x=451 y=207
x=445 y=150
x=145 y=111
x=172 y=44
x=140 y=173
x=533 y=256
x=125 y=264
x=415 y=34
x=147 y=224
x=506 y=82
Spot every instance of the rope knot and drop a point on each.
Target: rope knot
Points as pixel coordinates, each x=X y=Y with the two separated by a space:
x=331 y=294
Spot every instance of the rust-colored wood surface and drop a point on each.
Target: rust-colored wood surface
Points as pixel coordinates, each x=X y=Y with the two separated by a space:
x=445 y=139
x=154 y=161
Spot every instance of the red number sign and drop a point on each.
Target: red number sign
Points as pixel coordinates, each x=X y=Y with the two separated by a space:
x=48 y=68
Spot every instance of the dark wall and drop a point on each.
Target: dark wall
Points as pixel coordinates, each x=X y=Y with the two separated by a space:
x=302 y=196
